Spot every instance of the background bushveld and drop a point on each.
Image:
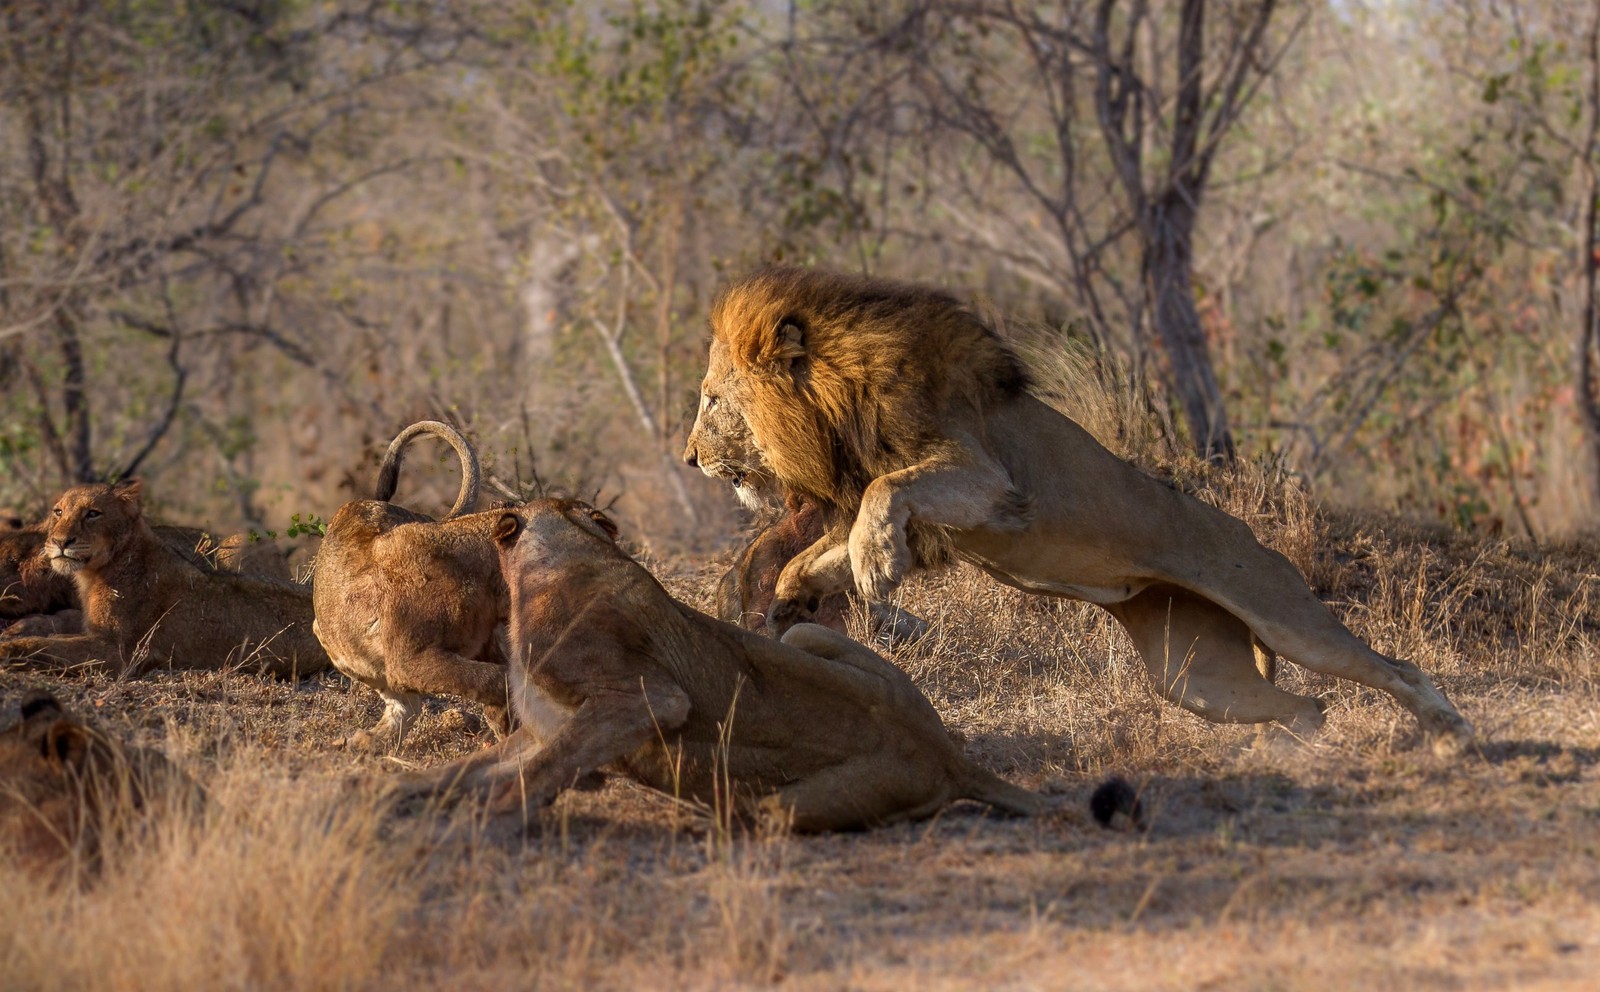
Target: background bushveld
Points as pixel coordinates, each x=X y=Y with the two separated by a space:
x=1349 y=243
x=244 y=243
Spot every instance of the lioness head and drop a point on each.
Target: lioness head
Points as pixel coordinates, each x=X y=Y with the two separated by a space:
x=90 y=523
x=46 y=758
x=551 y=523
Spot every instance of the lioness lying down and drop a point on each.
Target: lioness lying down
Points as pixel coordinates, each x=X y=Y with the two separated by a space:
x=610 y=672
x=145 y=605
x=66 y=786
x=36 y=600
x=910 y=422
x=409 y=605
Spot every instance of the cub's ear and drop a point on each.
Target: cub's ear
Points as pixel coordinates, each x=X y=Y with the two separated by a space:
x=39 y=701
x=604 y=523
x=507 y=528
x=65 y=743
x=131 y=492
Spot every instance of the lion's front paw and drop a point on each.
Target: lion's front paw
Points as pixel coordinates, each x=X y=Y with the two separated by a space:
x=373 y=741
x=880 y=559
x=785 y=613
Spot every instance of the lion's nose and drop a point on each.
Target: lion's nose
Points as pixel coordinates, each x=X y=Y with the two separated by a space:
x=691 y=457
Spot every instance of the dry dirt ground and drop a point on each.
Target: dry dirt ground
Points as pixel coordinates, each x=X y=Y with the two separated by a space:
x=1362 y=861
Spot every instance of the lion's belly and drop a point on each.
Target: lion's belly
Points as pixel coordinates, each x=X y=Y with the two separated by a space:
x=1044 y=564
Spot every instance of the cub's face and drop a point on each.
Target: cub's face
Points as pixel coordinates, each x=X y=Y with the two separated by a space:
x=38 y=789
x=89 y=523
x=720 y=442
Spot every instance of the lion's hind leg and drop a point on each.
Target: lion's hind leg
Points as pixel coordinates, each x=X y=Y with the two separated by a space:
x=1283 y=612
x=1204 y=659
x=859 y=792
x=476 y=773
x=400 y=711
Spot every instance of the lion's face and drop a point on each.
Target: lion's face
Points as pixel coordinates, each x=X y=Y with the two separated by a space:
x=40 y=756
x=720 y=442
x=88 y=524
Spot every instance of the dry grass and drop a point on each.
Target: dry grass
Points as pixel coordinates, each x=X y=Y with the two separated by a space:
x=1361 y=861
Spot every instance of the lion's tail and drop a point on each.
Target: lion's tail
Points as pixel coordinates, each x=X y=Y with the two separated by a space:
x=987 y=787
x=389 y=471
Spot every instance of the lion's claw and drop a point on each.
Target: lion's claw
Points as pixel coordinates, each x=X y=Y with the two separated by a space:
x=880 y=563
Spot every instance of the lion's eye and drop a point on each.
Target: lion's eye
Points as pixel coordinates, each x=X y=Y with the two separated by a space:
x=91 y=514
x=56 y=511
x=711 y=402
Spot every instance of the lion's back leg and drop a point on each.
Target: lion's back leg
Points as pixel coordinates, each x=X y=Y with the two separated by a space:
x=1269 y=595
x=863 y=791
x=1204 y=659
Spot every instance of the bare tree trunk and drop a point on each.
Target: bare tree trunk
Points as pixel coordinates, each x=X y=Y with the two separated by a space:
x=1589 y=333
x=79 y=466
x=1169 y=283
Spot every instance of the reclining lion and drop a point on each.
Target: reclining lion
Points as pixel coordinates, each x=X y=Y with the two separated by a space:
x=609 y=671
x=146 y=605
x=911 y=423
x=409 y=605
x=66 y=787
x=36 y=600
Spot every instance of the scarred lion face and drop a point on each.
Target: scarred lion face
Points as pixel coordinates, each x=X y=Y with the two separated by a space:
x=89 y=523
x=720 y=442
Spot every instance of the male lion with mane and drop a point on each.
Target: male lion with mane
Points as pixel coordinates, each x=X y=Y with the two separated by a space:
x=906 y=417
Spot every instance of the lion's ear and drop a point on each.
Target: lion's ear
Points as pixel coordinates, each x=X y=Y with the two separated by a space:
x=788 y=343
x=39 y=701
x=507 y=528
x=131 y=492
x=65 y=743
x=604 y=523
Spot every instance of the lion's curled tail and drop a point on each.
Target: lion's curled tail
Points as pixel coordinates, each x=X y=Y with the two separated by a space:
x=389 y=471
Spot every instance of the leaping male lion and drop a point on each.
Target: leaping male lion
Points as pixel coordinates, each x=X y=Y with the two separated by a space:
x=905 y=416
x=609 y=671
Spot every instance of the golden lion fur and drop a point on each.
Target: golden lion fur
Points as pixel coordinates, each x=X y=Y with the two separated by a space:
x=146 y=605
x=609 y=672
x=66 y=787
x=36 y=599
x=409 y=605
x=912 y=422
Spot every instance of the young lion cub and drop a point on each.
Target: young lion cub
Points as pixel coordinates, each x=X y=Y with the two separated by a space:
x=609 y=671
x=66 y=787
x=409 y=605
x=145 y=605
